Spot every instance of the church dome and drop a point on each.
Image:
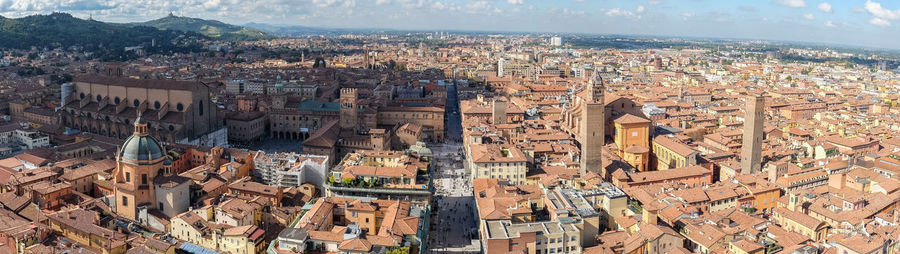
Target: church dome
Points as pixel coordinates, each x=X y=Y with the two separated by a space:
x=141 y=146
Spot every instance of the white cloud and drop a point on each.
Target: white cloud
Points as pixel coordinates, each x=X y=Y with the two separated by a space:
x=616 y=12
x=412 y=4
x=876 y=10
x=324 y=3
x=687 y=15
x=478 y=6
x=568 y=12
x=829 y=24
x=791 y=3
x=654 y=2
x=380 y=2
x=879 y=22
x=514 y=1
x=66 y=5
x=825 y=7
x=212 y=4
x=809 y=16
x=881 y=16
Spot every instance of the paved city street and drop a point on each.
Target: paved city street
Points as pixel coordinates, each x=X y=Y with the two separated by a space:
x=453 y=227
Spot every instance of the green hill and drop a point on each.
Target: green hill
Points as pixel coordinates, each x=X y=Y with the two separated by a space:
x=61 y=29
x=211 y=28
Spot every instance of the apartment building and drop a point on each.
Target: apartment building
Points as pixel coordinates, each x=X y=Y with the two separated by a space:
x=352 y=225
x=382 y=175
x=535 y=237
x=671 y=154
x=290 y=169
x=497 y=161
x=197 y=227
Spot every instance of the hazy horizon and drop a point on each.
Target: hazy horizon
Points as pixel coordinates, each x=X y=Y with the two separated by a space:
x=850 y=23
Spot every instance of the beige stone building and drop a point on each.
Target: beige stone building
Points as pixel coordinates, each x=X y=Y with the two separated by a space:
x=106 y=105
x=497 y=162
x=246 y=128
x=430 y=119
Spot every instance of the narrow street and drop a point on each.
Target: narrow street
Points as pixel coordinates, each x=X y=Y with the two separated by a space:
x=454 y=228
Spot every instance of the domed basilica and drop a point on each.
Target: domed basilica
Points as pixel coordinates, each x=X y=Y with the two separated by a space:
x=144 y=177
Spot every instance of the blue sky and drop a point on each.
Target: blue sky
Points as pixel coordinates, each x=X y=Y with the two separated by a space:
x=872 y=23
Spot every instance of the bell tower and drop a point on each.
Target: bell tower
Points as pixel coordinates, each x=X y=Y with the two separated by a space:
x=592 y=129
x=349 y=109
x=751 y=149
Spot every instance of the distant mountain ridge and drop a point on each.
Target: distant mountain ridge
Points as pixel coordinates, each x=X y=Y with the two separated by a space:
x=284 y=30
x=211 y=28
x=62 y=29
x=298 y=31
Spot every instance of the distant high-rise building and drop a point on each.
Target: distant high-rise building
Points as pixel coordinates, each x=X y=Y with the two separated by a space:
x=593 y=123
x=500 y=67
x=555 y=41
x=753 y=132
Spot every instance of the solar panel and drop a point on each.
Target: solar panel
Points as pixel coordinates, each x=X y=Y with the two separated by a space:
x=195 y=249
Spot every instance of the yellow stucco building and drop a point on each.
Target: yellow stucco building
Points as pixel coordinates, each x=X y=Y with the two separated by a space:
x=632 y=137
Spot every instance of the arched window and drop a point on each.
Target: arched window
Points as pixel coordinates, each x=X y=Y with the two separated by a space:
x=156 y=105
x=171 y=127
x=117 y=100
x=180 y=107
x=99 y=98
x=136 y=102
x=201 y=108
x=81 y=96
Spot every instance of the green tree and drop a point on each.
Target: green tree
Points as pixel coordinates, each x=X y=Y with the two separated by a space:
x=348 y=180
x=398 y=250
